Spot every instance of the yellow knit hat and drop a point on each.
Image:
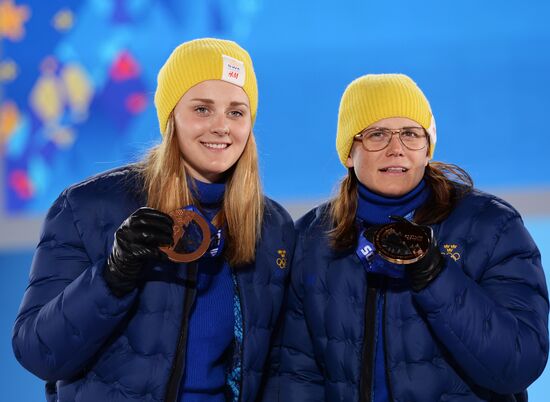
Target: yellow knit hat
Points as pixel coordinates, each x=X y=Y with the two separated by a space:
x=374 y=97
x=200 y=60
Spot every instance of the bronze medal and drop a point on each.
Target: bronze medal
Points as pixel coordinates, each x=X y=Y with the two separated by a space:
x=401 y=243
x=183 y=219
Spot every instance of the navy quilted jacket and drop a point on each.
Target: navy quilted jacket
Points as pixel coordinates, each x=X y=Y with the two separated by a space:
x=478 y=332
x=91 y=346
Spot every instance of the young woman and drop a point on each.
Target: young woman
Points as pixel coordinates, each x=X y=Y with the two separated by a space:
x=452 y=307
x=107 y=316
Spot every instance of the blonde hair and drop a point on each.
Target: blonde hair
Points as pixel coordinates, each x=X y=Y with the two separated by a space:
x=166 y=183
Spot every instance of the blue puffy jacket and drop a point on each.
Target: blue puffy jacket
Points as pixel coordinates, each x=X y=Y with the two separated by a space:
x=91 y=346
x=478 y=332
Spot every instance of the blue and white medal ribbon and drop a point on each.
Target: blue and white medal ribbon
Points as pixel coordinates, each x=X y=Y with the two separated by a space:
x=373 y=263
x=216 y=236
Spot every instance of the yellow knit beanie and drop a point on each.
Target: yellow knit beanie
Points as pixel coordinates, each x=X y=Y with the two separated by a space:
x=200 y=60
x=374 y=97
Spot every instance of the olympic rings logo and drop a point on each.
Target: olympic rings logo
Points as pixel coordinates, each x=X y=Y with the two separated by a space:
x=450 y=251
x=281 y=261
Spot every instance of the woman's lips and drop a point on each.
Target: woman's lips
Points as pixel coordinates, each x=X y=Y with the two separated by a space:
x=394 y=169
x=215 y=145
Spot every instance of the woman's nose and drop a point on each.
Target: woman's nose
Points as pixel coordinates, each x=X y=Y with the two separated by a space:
x=220 y=125
x=395 y=147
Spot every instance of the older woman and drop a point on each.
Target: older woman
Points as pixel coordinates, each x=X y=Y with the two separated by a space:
x=162 y=280
x=409 y=285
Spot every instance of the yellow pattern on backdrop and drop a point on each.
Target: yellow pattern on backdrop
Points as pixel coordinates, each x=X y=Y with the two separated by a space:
x=78 y=90
x=9 y=118
x=12 y=20
x=51 y=95
x=47 y=98
x=8 y=71
x=63 y=20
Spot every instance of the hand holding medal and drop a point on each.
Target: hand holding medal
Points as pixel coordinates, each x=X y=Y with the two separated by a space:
x=403 y=242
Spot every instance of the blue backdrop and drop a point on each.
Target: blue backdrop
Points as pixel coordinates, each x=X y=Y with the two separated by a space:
x=77 y=80
x=80 y=99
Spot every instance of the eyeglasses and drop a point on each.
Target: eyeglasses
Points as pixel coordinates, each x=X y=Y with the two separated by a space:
x=378 y=138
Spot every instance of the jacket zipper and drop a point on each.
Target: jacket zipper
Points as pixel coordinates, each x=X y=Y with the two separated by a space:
x=366 y=382
x=178 y=365
x=388 y=377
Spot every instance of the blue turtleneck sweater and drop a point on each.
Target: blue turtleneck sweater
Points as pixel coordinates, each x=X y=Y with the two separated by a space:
x=376 y=209
x=211 y=324
x=373 y=208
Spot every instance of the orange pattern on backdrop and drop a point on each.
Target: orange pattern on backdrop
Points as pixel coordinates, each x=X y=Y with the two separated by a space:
x=9 y=118
x=12 y=20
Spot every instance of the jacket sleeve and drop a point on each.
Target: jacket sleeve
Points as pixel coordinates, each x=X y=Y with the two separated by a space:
x=297 y=376
x=494 y=325
x=67 y=312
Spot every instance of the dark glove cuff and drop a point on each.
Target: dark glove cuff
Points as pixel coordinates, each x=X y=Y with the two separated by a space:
x=422 y=275
x=119 y=284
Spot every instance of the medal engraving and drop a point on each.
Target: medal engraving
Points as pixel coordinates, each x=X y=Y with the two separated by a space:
x=401 y=243
x=183 y=219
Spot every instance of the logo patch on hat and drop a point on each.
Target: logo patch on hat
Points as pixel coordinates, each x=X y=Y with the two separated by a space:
x=233 y=70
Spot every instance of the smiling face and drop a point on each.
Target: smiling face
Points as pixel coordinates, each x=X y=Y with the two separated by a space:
x=392 y=171
x=212 y=123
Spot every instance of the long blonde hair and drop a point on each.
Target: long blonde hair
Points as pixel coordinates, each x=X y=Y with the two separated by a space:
x=166 y=184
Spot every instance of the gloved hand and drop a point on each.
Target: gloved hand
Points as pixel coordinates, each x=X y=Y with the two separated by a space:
x=137 y=240
x=427 y=268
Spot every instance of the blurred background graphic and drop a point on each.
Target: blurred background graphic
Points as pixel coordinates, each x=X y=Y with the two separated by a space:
x=76 y=97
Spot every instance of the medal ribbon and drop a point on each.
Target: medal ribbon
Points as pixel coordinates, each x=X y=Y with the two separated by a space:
x=375 y=264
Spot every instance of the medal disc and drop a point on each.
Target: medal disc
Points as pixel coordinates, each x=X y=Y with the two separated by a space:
x=401 y=243
x=191 y=236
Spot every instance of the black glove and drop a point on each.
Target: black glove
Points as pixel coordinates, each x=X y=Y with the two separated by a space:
x=137 y=240
x=428 y=267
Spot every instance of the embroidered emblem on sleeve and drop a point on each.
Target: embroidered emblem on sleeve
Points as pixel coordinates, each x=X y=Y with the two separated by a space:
x=450 y=251
x=281 y=261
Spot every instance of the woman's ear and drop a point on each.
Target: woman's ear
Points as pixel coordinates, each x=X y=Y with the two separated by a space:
x=349 y=161
x=427 y=155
